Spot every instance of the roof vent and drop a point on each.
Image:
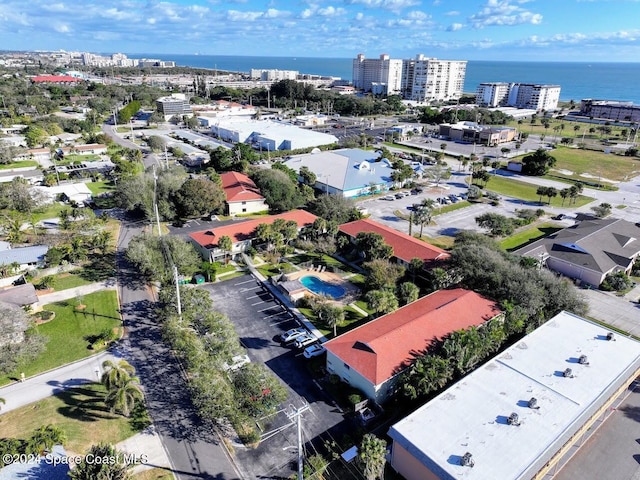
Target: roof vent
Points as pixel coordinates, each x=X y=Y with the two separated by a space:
x=533 y=403
x=568 y=373
x=513 y=419
x=467 y=461
x=583 y=360
x=610 y=336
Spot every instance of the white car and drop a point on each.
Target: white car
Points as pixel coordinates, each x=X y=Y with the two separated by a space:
x=314 y=351
x=304 y=341
x=291 y=335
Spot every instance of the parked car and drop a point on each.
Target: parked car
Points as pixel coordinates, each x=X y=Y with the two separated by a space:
x=388 y=197
x=314 y=350
x=399 y=195
x=463 y=196
x=304 y=341
x=453 y=198
x=291 y=335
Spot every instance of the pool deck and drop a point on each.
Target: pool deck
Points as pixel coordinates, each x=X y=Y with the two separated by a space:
x=329 y=277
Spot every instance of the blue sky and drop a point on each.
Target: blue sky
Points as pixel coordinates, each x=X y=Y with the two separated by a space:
x=548 y=30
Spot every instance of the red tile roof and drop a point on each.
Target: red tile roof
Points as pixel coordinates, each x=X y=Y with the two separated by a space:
x=404 y=246
x=382 y=347
x=244 y=230
x=55 y=79
x=239 y=188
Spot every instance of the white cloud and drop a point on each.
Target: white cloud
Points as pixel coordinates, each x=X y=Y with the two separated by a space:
x=503 y=12
x=274 y=13
x=62 y=28
x=393 y=5
x=238 y=16
x=452 y=13
x=454 y=27
x=331 y=11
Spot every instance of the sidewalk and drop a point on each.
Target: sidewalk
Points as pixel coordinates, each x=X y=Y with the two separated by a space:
x=147 y=447
x=69 y=293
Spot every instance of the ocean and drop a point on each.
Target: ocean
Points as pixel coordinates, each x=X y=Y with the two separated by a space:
x=610 y=81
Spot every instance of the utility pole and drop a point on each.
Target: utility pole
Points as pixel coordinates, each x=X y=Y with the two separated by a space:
x=166 y=157
x=178 y=303
x=155 y=200
x=296 y=414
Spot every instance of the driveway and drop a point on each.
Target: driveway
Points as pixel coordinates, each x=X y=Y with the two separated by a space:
x=258 y=319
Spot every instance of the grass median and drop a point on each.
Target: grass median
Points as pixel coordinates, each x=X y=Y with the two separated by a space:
x=529 y=235
x=527 y=192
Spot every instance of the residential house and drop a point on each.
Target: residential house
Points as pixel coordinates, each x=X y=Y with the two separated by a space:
x=241 y=234
x=241 y=194
x=23 y=296
x=589 y=250
x=24 y=257
x=405 y=247
x=372 y=356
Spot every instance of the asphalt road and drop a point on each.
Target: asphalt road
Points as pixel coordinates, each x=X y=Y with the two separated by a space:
x=258 y=319
x=194 y=450
x=612 y=452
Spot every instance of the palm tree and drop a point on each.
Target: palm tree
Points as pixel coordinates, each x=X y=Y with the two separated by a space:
x=428 y=374
x=116 y=374
x=124 y=397
x=372 y=456
x=415 y=265
x=209 y=270
x=225 y=244
x=564 y=193
x=44 y=438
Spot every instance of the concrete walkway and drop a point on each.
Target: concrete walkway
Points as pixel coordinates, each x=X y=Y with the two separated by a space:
x=147 y=448
x=109 y=284
x=616 y=311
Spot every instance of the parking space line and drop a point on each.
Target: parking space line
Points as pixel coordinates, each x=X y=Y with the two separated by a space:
x=269 y=308
x=272 y=315
x=245 y=290
x=258 y=303
x=246 y=281
x=252 y=296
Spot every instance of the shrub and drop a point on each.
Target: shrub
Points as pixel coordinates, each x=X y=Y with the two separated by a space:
x=354 y=398
x=616 y=282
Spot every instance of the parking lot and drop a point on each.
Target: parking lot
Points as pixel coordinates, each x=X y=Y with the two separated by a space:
x=259 y=319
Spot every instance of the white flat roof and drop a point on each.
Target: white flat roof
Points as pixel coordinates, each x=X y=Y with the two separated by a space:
x=471 y=416
x=275 y=130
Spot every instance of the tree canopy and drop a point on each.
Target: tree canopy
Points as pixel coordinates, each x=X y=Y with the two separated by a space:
x=279 y=191
x=537 y=163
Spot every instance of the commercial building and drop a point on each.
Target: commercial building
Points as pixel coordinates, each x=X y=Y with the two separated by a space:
x=176 y=104
x=268 y=135
x=405 y=247
x=350 y=172
x=471 y=132
x=517 y=415
x=610 y=110
x=372 y=357
x=520 y=95
x=380 y=76
x=432 y=80
x=241 y=234
x=589 y=250
x=241 y=194
x=273 y=75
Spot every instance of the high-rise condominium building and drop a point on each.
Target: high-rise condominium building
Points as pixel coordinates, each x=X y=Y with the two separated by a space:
x=521 y=95
x=377 y=75
x=429 y=79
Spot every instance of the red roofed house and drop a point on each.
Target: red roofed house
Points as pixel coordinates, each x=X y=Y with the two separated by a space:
x=405 y=247
x=242 y=195
x=241 y=234
x=55 y=79
x=372 y=357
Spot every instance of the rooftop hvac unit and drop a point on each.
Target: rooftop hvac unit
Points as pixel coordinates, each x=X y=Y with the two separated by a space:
x=533 y=403
x=567 y=373
x=513 y=419
x=583 y=360
x=610 y=336
x=467 y=460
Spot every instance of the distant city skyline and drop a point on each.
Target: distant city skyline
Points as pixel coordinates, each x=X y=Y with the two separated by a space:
x=535 y=30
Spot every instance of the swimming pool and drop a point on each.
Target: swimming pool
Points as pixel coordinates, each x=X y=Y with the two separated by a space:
x=321 y=287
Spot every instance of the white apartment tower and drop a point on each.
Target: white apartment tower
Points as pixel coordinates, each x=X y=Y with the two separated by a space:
x=429 y=79
x=521 y=95
x=379 y=76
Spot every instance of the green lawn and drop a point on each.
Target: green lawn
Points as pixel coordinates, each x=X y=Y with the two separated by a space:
x=568 y=130
x=450 y=208
x=65 y=281
x=101 y=187
x=527 y=191
x=529 y=235
x=18 y=164
x=596 y=164
x=443 y=241
x=80 y=412
x=352 y=319
x=74 y=158
x=48 y=211
x=69 y=334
